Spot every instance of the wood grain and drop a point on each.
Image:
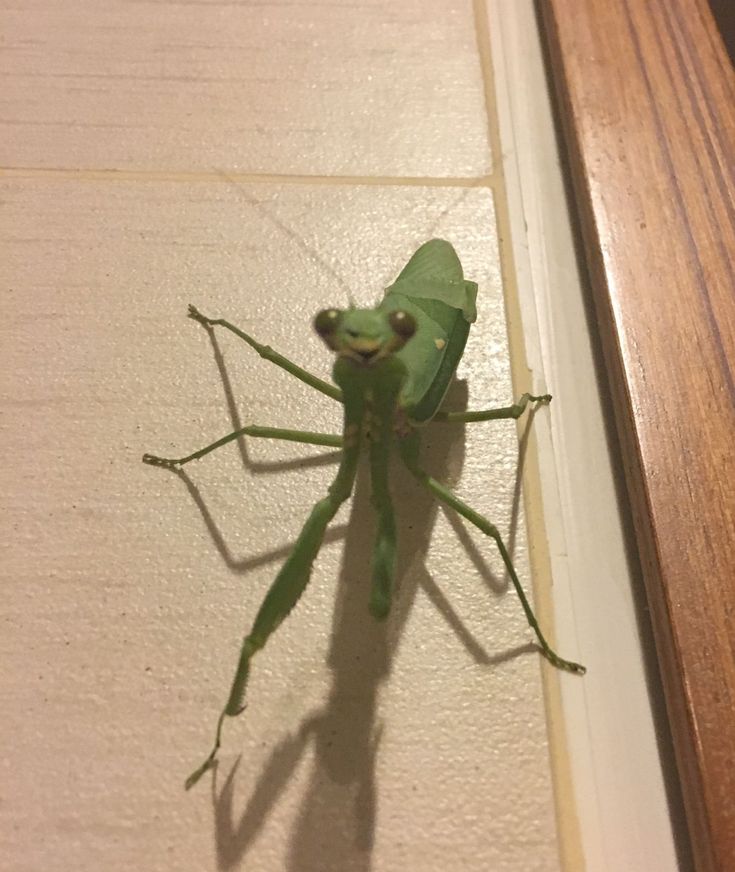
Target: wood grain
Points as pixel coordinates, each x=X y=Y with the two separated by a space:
x=647 y=100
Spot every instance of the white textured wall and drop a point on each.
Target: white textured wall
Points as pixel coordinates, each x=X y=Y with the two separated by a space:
x=421 y=742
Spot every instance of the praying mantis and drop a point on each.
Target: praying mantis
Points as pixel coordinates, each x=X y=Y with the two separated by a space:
x=394 y=364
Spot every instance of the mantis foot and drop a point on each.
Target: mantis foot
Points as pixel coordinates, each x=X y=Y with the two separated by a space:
x=210 y=762
x=561 y=663
x=165 y=462
x=542 y=400
x=197 y=316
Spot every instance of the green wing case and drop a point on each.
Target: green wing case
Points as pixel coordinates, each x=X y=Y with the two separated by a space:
x=432 y=288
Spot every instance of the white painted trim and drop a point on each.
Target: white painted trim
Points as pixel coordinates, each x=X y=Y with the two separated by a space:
x=617 y=774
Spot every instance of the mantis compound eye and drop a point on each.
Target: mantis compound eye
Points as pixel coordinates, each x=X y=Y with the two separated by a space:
x=326 y=322
x=402 y=324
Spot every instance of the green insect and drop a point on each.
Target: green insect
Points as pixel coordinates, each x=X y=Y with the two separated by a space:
x=394 y=364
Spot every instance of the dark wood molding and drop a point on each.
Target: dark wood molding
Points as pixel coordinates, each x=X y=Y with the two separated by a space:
x=646 y=95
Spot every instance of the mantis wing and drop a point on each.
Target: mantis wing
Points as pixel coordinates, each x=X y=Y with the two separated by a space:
x=432 y=288
x=434 y=274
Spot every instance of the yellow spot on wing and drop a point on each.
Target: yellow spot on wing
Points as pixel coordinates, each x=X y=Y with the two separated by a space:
x=440 y=343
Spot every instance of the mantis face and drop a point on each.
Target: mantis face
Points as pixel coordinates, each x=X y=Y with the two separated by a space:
x=364 y=336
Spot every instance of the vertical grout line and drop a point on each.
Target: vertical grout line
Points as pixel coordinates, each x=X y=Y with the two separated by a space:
x=571 y=855
x=500 y=200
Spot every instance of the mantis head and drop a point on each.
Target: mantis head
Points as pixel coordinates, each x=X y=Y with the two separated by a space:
x=365 y=335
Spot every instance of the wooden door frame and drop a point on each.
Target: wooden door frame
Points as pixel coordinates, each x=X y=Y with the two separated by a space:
x=646 y=98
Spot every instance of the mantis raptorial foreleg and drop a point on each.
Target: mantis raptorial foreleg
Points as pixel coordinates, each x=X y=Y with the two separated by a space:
x=514 y=411
x=286 y=590
x=267 y=353
x=385 y=548
x=409 y=453
x=380 y=426
x=304 y=436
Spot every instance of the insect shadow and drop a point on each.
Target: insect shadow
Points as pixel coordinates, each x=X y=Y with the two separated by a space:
x=336 y=824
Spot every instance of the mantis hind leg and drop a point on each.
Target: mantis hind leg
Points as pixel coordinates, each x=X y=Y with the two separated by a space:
x=283 y=595
x=384 y=551
x=409 y=451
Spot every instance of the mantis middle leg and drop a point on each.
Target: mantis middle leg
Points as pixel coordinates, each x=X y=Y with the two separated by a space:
x=306 y=437
x=514 y=411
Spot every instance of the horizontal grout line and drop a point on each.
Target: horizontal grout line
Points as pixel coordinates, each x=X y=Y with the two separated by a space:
x=216 y=175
